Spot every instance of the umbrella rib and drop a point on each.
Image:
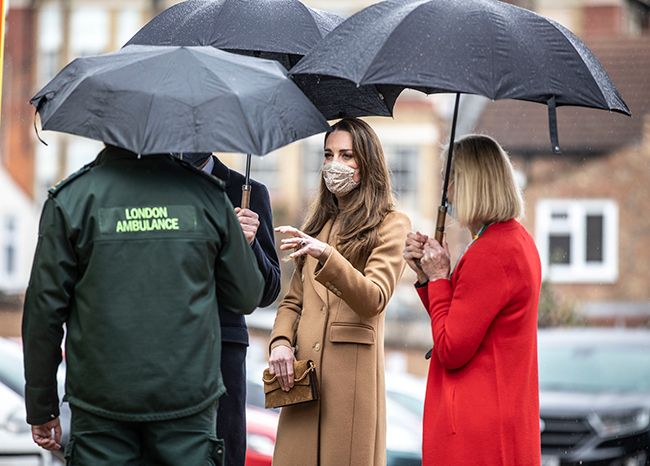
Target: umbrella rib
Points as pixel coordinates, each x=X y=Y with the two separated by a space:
x=583 y=62
x=387 y=40
x=153 y=96
x=307 y=10
x=248 y=126
x=189 y=17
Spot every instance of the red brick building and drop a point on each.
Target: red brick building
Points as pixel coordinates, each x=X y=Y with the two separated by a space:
x=587 y=207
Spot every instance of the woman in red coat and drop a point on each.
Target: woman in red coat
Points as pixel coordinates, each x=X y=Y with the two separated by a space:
x=482 y=406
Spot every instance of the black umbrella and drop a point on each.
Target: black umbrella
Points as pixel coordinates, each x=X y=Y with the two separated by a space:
x=281 y=30
x=481 y=47
x=178 y=99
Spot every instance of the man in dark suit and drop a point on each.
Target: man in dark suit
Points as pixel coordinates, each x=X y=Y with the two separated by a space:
x=257 y=225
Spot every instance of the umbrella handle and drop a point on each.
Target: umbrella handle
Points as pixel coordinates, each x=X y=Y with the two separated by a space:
x=440 y=223
x=245 y=196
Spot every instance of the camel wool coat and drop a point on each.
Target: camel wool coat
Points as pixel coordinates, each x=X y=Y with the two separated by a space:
x=333 y=315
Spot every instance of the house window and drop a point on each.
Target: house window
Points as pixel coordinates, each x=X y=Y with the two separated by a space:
x=50 y=40
x=578 y=240
x=403 y=165
x=312 y=163
x=89 y=31
x=265 y=170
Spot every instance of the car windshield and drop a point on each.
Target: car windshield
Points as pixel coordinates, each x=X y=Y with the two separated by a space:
x=592 y=368
x=11 y=368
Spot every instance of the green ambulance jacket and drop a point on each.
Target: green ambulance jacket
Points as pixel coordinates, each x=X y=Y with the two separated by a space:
x=134 y=256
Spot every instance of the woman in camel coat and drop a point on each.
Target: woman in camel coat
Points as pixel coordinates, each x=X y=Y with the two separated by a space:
x=348 y=264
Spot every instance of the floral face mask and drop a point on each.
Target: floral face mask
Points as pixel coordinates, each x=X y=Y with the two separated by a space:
x=339 y=178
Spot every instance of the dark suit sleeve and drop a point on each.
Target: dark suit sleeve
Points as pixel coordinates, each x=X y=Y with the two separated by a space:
x=239 y=282
x=264 y=244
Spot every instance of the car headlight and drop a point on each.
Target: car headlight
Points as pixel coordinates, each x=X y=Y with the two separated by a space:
x=260 y=444
x=613 y=424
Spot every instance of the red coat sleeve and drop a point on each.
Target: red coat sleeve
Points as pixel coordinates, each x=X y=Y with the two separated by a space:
x=461 y=316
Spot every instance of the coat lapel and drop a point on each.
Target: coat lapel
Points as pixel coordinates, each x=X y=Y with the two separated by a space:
x=311 y=263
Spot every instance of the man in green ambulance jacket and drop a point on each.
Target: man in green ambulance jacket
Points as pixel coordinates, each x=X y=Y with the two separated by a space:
x=135 y=257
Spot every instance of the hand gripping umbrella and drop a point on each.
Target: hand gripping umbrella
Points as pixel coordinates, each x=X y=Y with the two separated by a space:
x=175 y=99
x=482 y=47
x=281 y=30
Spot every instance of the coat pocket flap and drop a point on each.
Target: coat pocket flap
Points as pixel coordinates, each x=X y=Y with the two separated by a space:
x=341 y=332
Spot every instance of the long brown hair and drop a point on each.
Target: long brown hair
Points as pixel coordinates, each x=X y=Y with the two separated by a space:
x=365 y=206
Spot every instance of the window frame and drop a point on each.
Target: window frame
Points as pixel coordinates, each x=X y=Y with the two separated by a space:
x=578 y=270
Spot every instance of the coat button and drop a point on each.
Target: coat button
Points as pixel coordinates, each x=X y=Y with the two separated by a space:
x=316 y=346
x=338 y=293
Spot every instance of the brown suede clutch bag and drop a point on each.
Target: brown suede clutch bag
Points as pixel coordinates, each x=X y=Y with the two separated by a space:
x=305 y=386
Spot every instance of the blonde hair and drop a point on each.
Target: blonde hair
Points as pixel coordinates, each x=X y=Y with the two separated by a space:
x=485 y=189
x=369 y=203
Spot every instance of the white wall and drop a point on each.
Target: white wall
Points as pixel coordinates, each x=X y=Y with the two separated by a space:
x=18 y=235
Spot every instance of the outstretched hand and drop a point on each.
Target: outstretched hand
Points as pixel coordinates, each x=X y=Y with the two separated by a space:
x=301 y=243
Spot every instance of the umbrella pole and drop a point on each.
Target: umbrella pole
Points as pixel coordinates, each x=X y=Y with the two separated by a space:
x=246 y=187
x=442 y=210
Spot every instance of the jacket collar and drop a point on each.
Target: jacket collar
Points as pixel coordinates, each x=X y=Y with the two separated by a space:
x=221 y=171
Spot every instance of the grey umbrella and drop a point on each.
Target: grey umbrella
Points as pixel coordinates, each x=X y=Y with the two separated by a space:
x=178 y=99
x=481 y=47
x=281 y=30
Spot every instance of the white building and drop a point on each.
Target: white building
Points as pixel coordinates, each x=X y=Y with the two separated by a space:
x=18 y=235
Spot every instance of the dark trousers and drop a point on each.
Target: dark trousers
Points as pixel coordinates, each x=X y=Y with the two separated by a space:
x=187 y=441
x=231 y=417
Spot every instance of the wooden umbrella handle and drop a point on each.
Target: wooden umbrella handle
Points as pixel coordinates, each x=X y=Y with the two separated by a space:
x=440 y=223
x=245 y=196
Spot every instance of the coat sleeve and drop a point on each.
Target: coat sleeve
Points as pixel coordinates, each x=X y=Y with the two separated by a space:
x=368 y=293
x=460 y=317
x=264 y=245
x=238 y=279
x=289 y=312
x=47 y=305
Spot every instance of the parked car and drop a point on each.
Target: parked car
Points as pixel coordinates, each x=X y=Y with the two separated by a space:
x=13 y=378
x=595 y=397
x=404 y=410
x=16 y=445
x=261 y=428
x=403 y=418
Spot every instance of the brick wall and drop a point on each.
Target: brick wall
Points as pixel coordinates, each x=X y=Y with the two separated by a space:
x=17 y=148
x=621 y=176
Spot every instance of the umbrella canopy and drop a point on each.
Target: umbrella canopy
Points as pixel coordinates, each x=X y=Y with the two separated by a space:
x=281 y=30
x=481 y=47
x=178 y=99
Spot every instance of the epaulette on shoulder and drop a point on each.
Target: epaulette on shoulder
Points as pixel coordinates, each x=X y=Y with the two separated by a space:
x=54 y=190
x=207 y=176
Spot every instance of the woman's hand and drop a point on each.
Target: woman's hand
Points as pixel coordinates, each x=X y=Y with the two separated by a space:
x=413 y=252
x=301 y=243
x=435 y=261
x=281 y=365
